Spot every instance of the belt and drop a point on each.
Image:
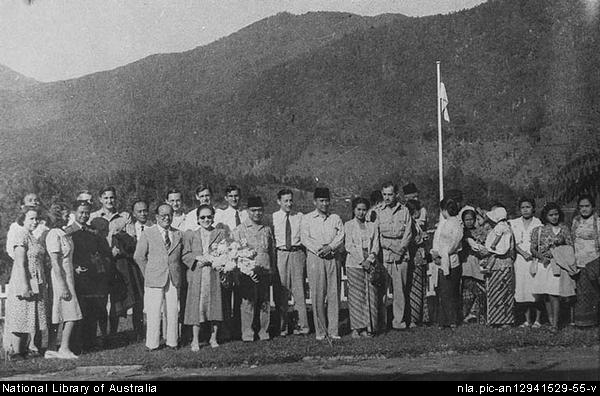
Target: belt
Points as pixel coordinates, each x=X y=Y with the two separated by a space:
x=390 y=237
x=291 y=249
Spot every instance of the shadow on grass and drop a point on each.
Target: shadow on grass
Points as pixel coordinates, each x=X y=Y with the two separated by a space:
x=413 y=342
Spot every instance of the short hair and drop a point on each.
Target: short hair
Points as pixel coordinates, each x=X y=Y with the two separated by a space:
x=589 y=197
x=551 y=206
x=201 y=187
x=390 y=184
x=202 y=207
x=466 y=212
x=174 y=191
x=232 y=187
x=360 y=200
x=375 y=197
x=284 y=191
x=77 y=204
x=413 y=205
x=527 y=199
x=108 y=188
x=161 y=205
x=29 y=194
x=450 y=206
x=23 y=212
x=137 y=201
x=55 y=219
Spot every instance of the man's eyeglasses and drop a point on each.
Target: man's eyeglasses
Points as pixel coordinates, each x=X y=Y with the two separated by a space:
x=205 y=217
x=164 y=216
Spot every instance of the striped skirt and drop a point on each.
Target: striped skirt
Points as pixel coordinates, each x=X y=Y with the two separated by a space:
x=500 y=297
x=473 y=298
x=416 y=283
x=362 y=300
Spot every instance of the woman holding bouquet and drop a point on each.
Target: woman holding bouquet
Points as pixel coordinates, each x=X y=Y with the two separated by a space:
x=203 y=304
x=362 y=245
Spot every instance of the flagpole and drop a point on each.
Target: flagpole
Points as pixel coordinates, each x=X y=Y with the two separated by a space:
x=439 y=115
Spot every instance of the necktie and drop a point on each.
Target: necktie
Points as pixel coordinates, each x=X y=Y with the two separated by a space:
x=288 y=232
x=167 y=240
x=237 y=218
x=142 y=227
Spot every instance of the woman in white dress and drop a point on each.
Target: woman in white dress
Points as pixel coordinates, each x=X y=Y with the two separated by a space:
x=551 y=282
x=522 y=228
x=65 y=306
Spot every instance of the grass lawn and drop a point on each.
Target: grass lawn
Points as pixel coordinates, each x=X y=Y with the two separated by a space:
x=469 y=338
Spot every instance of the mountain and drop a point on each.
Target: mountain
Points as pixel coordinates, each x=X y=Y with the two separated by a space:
x=347 y=99
x=11 y=80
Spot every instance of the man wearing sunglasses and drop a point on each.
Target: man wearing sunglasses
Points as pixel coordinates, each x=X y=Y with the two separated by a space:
x=158 y=254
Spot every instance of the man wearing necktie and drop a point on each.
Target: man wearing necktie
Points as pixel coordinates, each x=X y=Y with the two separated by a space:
x=291 y=263
x=158 y=254
x=229 y=219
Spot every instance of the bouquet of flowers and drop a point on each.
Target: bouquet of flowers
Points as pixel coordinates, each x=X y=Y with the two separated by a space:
x=229 y=259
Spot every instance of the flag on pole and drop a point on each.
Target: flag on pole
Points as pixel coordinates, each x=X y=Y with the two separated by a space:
x=444 y=100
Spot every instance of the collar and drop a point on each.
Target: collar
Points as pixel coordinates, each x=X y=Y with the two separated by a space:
x=249 y=224
x=315 y=213
x=161 y=229
x=394 y=208
x=282 y=213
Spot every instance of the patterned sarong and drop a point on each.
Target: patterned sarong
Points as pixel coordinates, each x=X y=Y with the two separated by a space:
x=500 y=297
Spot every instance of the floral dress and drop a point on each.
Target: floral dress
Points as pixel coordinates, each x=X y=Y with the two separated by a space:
x=543 y=239
x=27 y=315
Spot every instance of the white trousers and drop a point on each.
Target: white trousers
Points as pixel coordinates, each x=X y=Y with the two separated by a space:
x=154 y=298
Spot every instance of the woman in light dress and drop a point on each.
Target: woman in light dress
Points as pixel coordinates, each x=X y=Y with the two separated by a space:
x=522 y=228
x=27 y=289
x=204 y=302
x=65 y=306
x=550 y=281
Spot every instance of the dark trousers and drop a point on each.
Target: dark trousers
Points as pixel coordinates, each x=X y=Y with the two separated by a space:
x=448 y=291
x=587 y=306
x=93 y=309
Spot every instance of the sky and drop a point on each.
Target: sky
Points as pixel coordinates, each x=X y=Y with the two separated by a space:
x=53 y=40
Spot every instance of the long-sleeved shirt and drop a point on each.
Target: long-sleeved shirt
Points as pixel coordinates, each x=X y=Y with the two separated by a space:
x=317 y=230
x=279 y=228
x=449 y=243
x=259 y=238
x=395 y=224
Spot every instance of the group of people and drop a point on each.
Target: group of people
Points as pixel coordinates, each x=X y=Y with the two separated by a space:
x=70 y=263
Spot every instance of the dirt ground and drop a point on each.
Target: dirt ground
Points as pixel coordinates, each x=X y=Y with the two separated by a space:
x=547 y=363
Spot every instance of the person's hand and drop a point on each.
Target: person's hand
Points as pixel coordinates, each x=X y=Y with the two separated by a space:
x=81 y=270
x=437 y=260
x=66 y=295
x=203 y=260
x=325 y=251
x=366 y=265
x=116 y=251
x=254 y=278
x=435 y=254
x=25 y=293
